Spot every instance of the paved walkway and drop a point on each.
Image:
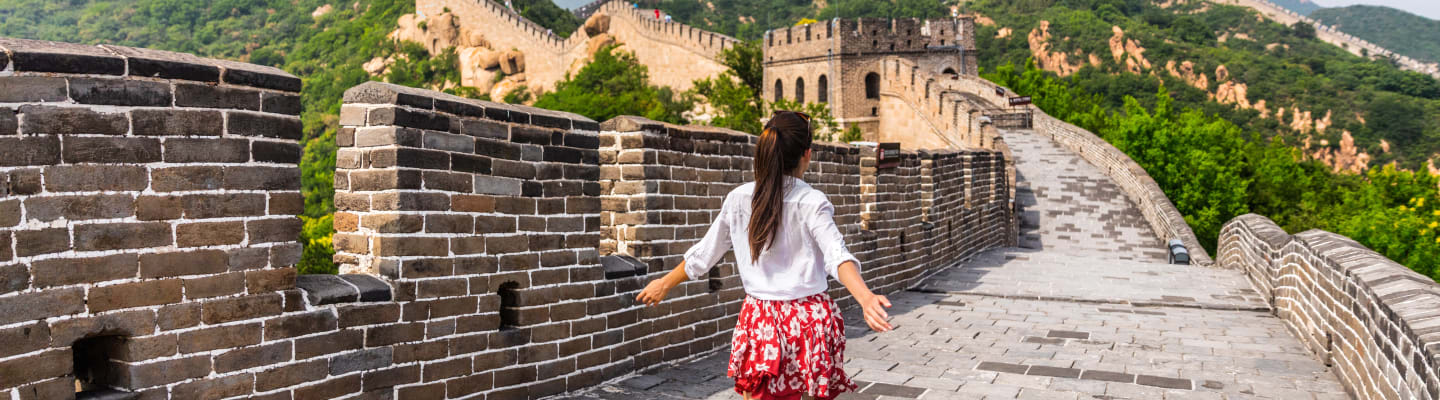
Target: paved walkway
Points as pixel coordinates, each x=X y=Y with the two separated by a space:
x=1085 y=312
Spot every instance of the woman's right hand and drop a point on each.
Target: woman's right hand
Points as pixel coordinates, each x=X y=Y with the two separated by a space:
x=874 y=307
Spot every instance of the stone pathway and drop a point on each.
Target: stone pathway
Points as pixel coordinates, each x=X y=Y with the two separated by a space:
x=1068 y=206
x=1085 y=308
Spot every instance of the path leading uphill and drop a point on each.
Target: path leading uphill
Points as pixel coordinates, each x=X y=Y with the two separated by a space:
x=1085 y=308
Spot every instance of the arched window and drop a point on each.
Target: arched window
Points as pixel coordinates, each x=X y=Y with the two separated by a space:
x=800 y=90
x=779 y=90
x=872 y=85
x=949 y=71
x=824 y=88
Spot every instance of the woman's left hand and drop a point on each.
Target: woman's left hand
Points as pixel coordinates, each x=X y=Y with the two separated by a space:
x=654 y=292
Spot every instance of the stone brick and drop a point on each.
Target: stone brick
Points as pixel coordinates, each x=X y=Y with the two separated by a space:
x=41 y=119
x=116 y=236
x=178 y=316
x=33 y=368
x=169 y=122
x=9 y=213
x=25 y=181
x=214 y=285
x=274 y=230
x=42 y=241
x=330 y=343
x=215 y=388
x=166 y=372
x=198 y=234
x=291 y=375
x=186 y=178
x=300 y=325
x=330 y=389
x=136 y=349
x=32 y=89
x=23 y=339
x=215 y=96
x=136 y=294
x=231 y=309
x=255 y=356
x=196 y=262
x=77 y=208
x=262 y=178
x=386 y=335
x=368 y=359
x=276 y=152
x=127 y=323
x=90 y=178
x=391 y=377
x=287 y=104
x=120 y=92
x=368 y=314
x=58 y=388
x=152 y=208
x=199 y=206
x=221 y=337
x=263 y=125
x=374 y=180
x=110 y=150
x=29 y=150
x=269 y=280
x=69 y=271
x=186 y=150
x=411 y=246
x=286 y=204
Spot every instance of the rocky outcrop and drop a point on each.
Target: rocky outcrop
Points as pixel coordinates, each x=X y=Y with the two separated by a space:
x=1054 y=61
x=1128 y=52
x=1186 y=72
x=1347 y=157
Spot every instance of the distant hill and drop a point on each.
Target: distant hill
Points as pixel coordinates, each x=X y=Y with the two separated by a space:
x=1302 y=7
x=1397 y=30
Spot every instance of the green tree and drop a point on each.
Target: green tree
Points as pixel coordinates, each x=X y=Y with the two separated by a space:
x=611 y=85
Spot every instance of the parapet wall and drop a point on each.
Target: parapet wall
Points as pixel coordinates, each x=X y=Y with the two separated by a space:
x=1371 y=319
x=147 y=222
x=1164 y=218
x=517 y=238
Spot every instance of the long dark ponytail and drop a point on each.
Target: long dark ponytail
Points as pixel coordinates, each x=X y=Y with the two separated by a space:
x=782 y=145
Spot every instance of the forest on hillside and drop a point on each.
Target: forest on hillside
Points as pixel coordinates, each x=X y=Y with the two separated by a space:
x=1218 y=161
x=1396 y=30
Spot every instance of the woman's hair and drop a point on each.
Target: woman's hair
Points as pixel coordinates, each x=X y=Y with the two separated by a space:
x=782 y=144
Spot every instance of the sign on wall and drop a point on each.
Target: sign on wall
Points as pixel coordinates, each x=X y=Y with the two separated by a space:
x=887 y=155
x=1019 y=101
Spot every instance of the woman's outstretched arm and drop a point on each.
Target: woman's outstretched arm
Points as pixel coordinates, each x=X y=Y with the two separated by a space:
x=655 y=292
x=872 y=304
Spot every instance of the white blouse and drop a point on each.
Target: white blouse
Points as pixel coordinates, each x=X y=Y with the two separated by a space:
x=805 y=248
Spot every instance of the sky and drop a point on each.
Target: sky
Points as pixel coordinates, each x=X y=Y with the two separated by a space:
x=1426 y=8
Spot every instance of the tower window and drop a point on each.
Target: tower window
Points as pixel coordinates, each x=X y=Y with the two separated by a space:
x=779 y=90
x=800 y=90
x=823 y=88
x=872 y=85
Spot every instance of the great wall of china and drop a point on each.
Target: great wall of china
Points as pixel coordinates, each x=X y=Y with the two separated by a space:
x=1337 y=37
x=494 y=251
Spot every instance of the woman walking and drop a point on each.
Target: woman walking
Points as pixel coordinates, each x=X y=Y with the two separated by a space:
x=789 y=342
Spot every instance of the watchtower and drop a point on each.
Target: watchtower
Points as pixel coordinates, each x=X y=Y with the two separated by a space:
x=838 y=61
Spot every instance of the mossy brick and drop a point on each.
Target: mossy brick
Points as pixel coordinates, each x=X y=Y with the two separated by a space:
x=263 y=125
x=110 y=150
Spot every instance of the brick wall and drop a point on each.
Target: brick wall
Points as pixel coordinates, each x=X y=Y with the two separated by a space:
x=148 y=230
x=1371 y=319
x=147 y=220
x=1164 y=218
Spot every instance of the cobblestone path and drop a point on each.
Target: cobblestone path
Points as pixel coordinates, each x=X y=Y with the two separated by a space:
x=1082 y=310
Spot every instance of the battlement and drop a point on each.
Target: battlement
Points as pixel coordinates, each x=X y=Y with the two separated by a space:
x=695 y=39
x=845 y=37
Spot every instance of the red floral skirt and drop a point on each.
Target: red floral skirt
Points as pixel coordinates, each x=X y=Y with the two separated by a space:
x=783 y=349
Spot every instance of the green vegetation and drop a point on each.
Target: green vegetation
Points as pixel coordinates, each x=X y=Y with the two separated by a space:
x=326 y=52
x=1396 y=30
x=615 y=84
x=749 y=19
x=548 y=15
x=1213 y=171
x=1282 y=65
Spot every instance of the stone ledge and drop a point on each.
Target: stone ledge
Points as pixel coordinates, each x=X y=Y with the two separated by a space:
x=622 y=266
x=386 y=93
x=332 y=289
x=69 y=58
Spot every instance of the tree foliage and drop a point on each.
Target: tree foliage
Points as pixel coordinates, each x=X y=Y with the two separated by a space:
x=614 y=83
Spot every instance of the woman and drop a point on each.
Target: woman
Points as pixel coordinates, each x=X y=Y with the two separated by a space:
x=789 y=342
